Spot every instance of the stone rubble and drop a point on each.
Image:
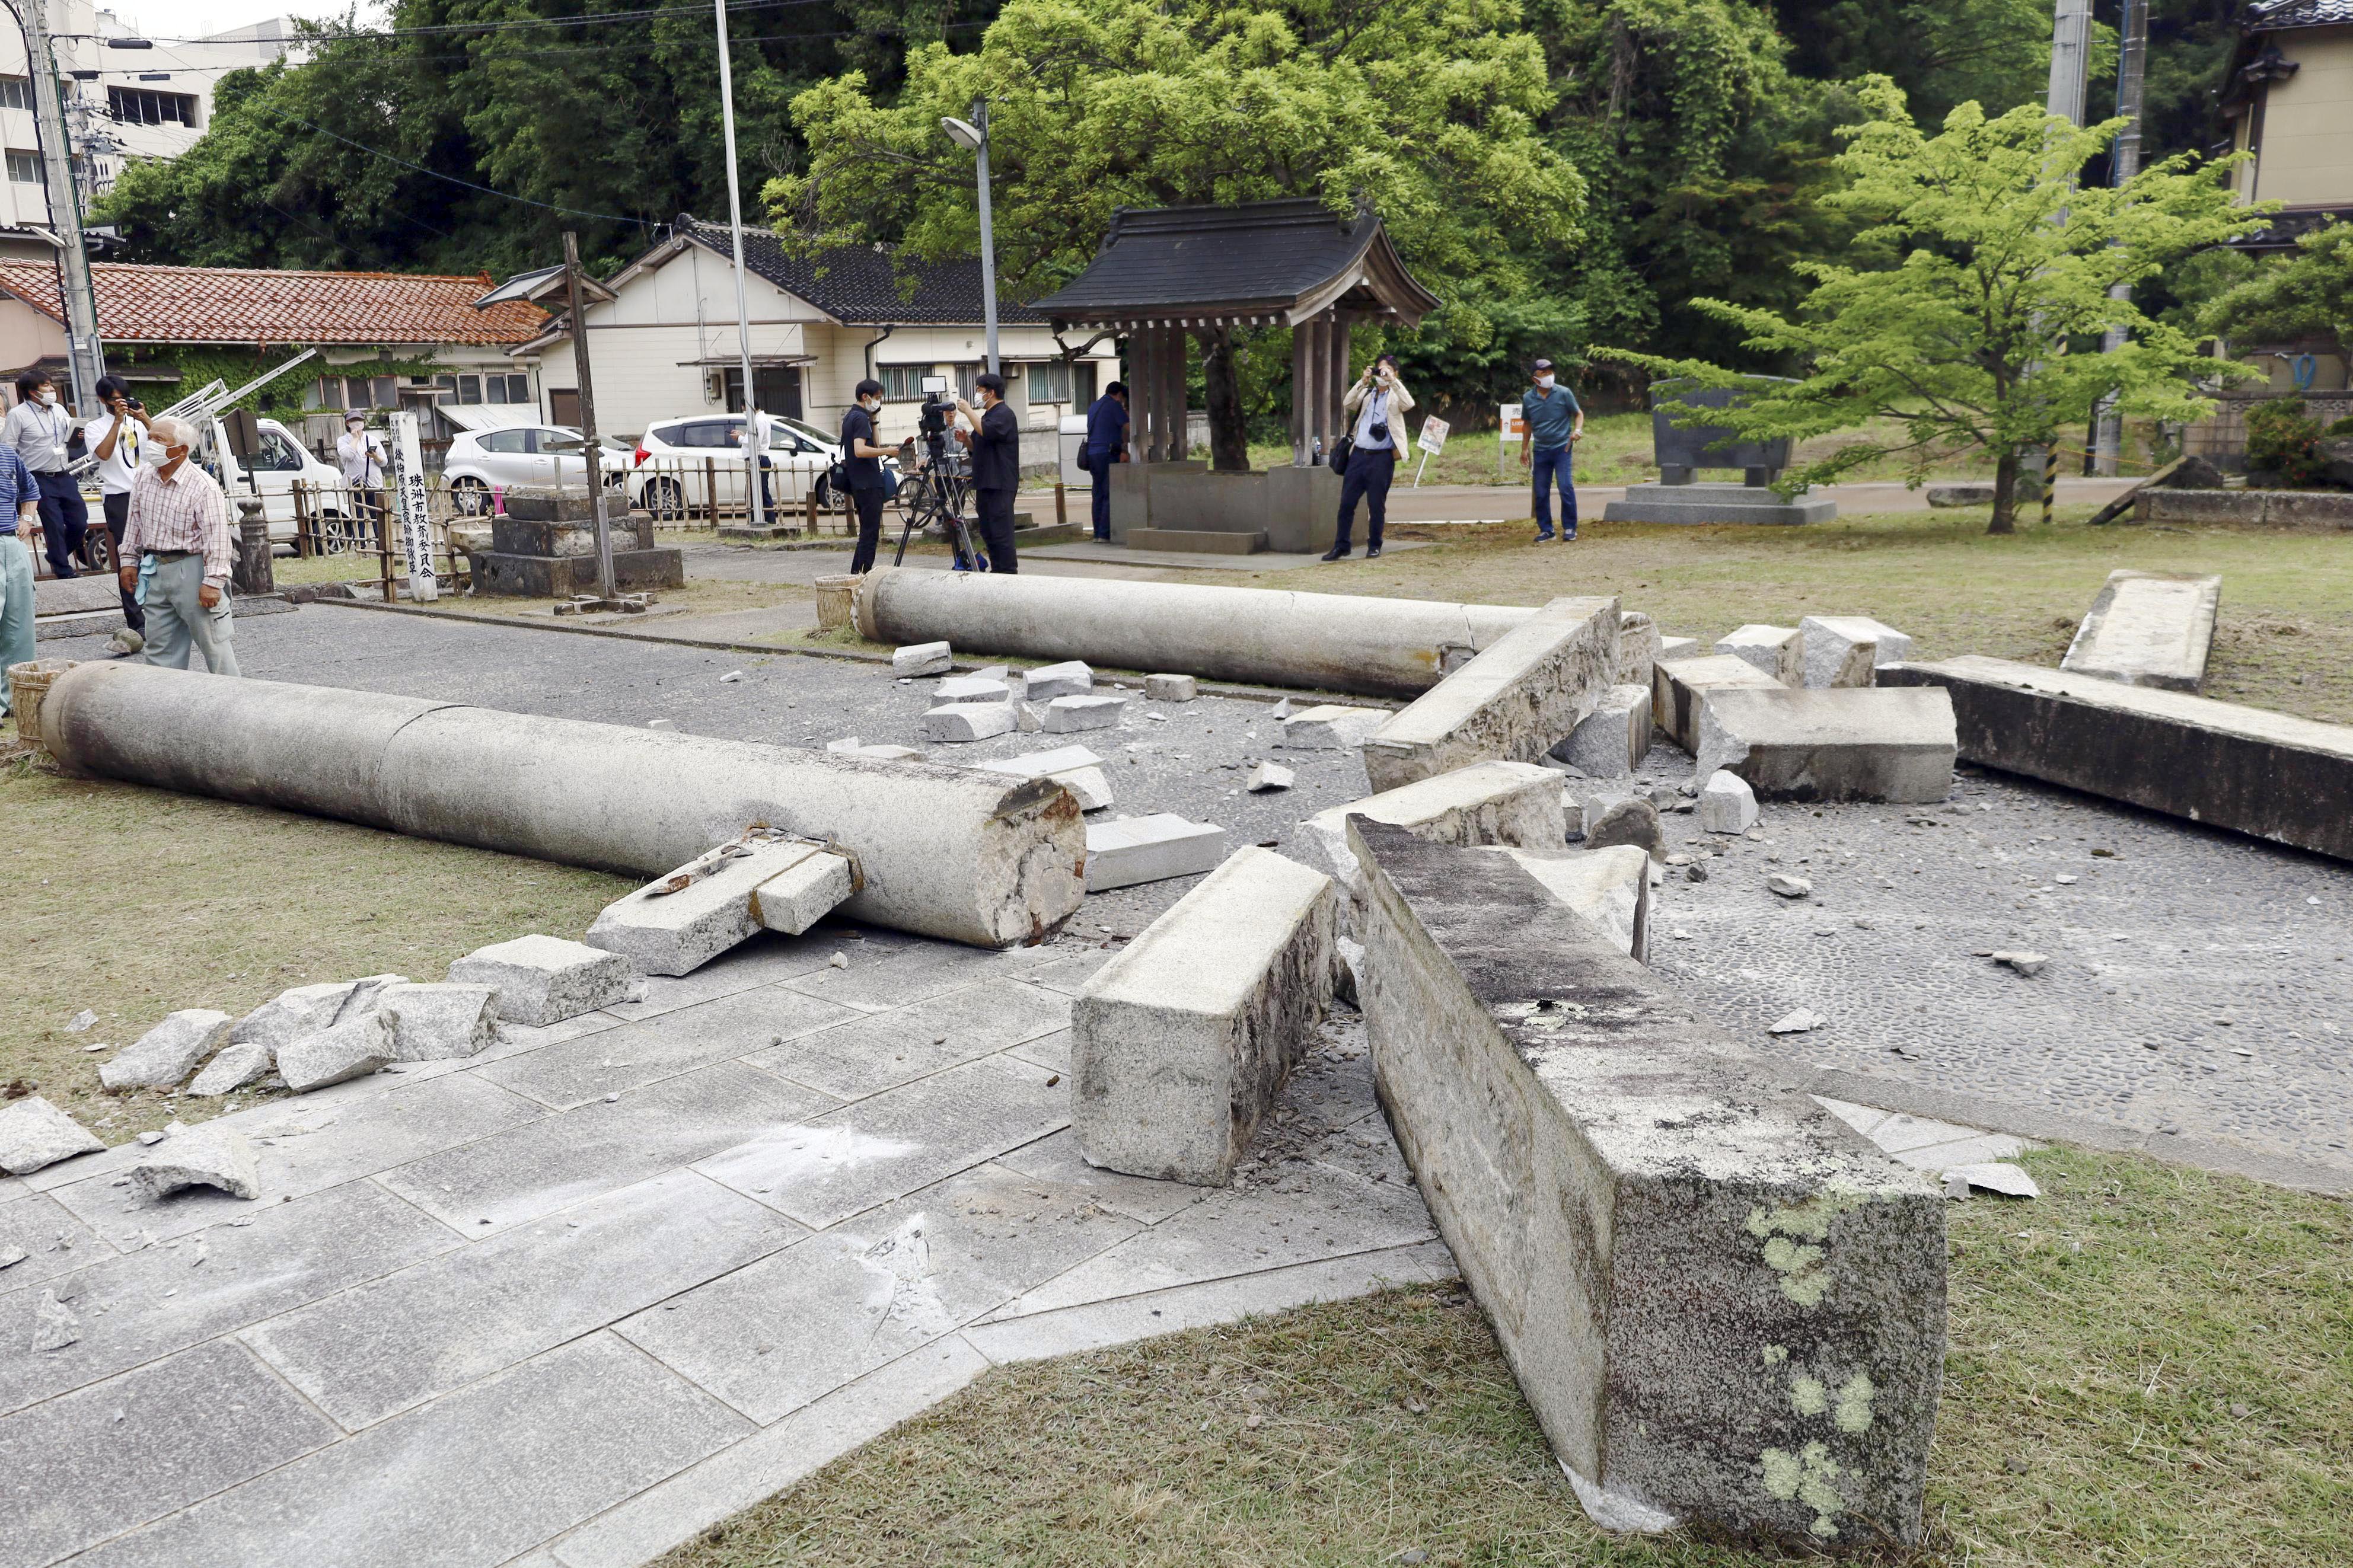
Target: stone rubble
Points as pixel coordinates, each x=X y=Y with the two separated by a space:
x=1133 y=849
x=2025 y=964
x=164 y=1055
x=353 y=1048
x=54 y=1325
x=291 y=1013
x=1804 y=1021
x=1069 y=678
x=1171 y=689
x=1995 y=1176
x=440 y=1023
x=1788 y=885
x=236 y=1066
x=543 y=980
x=1726 y=803
x=81 y=1021
x=1845 y=650
x=1610 y=741
x=1777 y=651
x=1265 y=776
x=921 y=658
x=206 y=1156
x=957 y=723
x=1329 y=727
x=971 y=689
x=1069 y=715
x=35 y=1133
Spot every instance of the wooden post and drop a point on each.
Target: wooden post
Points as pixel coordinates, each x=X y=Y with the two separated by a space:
x=1299 y=397
x=384 y=553
x=1180 y=423
x=1061 y=504
x=1139 y=395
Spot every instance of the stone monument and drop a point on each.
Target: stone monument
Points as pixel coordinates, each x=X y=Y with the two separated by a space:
x=1681 y=450
x=544 y=547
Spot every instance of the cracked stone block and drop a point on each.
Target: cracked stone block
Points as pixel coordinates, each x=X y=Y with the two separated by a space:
x=1072 y=677
x=1844 y=650
x=1608 y=889
x=1265 y=776
x=1778 y=651
x=365 y=995
x=543 y=980
x=1521 y=697
x=353 y=1048
x=1488 y=803
x=1612 y=741
x=957 y=722
x=440 y=1023
x=1075 y=768
x=1726 y=803
x=1679 y=686
x=34 y=1133
x=803 y=894
x=236 y=1066
x=1724 y=1305
x=1150 y=849
x=1638 y=648
x=2148 y=628
x=164 y=1055
x=1880 y=743
x=1181 y=1043
x=208 y=1156
x=1066 y=715
x=921 y=658
x=664 y=932
x=1329 y=727
x=291 y=1013
x=971 y=689
x=1170 y=689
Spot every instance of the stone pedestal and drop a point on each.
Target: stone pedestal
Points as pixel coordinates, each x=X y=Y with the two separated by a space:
x=1716 y=502
x=546 y=548
x=250 y=574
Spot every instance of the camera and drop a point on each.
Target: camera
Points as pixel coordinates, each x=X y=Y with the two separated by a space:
x=936 y=407
x=1378 y=430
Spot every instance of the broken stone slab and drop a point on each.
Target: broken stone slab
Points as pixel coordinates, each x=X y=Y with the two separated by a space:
x=1134 y=849
x=2243 y=769
x=208 y=1156
x=1638 y=648
x=1788 y=885
x=1678 y=687
x=439 y=1023
x=1182 y=1043
x=1726 y=803
x=1518 y=699
x=164 y=1055
x=1805 y=1020
x=1075 y=768
x=354 y=1048
x=678 y=923
x=1329 y=727
x=291 y=1013
x=1778 y=651
x=1068 y=715
x=35 y=1133
x=959 y=723
x=1882 y=743
x=1516 y=803
x=236 y=1066
x=365 y=995
x=1265 y=776
x=543 y=980
x=1072 y=677
x=1171 y=689
x=2148 y=628
x=1721 y=1302
x=1612 y=741
x=1995 y=1176
x=795 y=898
x=1844 y=650
x=1608 y=889
x=921 y=658
x=853 y=747
x=971 y=689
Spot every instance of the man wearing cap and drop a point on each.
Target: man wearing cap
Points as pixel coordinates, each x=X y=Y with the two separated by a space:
x=1106 y=444
x=1554 y=424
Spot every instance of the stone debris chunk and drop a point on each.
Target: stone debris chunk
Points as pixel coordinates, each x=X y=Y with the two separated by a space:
x=1066 y=715
x=1726 y=803
x=1072 y=677
x=1265 y=776
x=291 y=1013
x=803 y=894
x=1091 y=786
x=208 y=1156
x=1075 y=768
x=971 y=689
x=12 y=1255
x=440 y=1023
x=1612 y=819
x=81 y=1021
x=1150 y=849
x=2028 y=964
x=1638 y=647
x=54 y=1325
x=1804 y=1021
x=366 y=993
x=353 y=1048
x=1610 y=741
x=164 y=1055
x=236 y=1066
x=1844 y=650
x=1788 y=885
x=1170 y=689
x=2148 y=628
x=1679 y=687
x=35 y=1133
x=1995 y=1176
x=680 y=922
x=543 y=980
x=958 y=722
x=1028 y=718
x=1330 y=727
x=921 y=658
x=1777 y=651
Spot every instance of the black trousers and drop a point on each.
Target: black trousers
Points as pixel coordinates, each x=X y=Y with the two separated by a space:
x=995 y=509
x=1368 y=475
x=118 y=518
x=63 y=517
x=868 y=504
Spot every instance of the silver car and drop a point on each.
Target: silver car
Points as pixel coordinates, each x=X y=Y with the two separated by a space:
x=482 y=463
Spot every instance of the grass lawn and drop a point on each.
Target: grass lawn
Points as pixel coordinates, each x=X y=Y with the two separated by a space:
x=2149 y=1367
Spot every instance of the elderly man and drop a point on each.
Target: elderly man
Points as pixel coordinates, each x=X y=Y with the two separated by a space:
x=177 y=551
x=20 y=511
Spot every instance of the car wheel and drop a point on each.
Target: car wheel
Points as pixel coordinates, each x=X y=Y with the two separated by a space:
x=470 y=498
x=664 y=499
x=97 y=549
x=824 y=491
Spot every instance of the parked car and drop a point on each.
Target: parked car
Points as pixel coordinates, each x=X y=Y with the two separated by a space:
x=677 y=462
x=479 y=462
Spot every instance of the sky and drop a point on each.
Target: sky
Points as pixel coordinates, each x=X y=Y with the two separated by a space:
x=197 y=18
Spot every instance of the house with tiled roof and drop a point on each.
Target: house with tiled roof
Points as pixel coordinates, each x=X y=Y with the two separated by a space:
x=385 y=339
x=663 y=340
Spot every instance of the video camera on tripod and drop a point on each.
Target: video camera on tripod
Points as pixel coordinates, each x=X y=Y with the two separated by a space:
x=939 y=406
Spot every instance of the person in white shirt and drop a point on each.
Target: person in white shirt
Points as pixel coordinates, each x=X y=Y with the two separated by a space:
x=360 y=453
x=118 y=441
x=41 y=432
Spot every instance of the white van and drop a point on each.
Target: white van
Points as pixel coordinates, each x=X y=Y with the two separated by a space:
x=279 y=462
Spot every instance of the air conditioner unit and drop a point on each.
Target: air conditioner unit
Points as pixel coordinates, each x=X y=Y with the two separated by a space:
x=715 y=385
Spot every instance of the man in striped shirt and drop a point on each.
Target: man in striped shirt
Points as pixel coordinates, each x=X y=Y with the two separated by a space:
x=178 y=546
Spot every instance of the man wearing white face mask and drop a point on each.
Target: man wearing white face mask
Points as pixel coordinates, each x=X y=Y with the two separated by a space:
x=1555 y=426
x=41 y=432
x=177 y=552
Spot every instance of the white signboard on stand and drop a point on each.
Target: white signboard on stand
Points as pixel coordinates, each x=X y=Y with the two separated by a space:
x=1431 y=440
x=412 y=515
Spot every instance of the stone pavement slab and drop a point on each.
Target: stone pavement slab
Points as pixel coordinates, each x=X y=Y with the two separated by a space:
x=616 y=1061
x=53 y=1240
x=883 y=1050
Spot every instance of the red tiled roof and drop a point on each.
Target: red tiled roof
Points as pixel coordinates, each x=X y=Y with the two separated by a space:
x=251 y=305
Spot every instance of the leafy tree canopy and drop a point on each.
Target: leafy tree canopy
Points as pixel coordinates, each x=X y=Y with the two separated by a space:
x=2307 y=294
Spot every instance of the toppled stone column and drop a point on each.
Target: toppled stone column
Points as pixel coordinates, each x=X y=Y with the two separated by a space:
x=1516 y=803
x=1181 y=1043
x=2148 y=628
x=1514 y=702
x=1725 y=1306
x=1678 y=687
x=1875 y=744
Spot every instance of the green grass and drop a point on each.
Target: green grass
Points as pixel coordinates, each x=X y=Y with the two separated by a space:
x=2103 y=1339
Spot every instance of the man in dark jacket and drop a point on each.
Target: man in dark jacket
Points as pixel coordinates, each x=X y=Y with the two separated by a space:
x=996 y=443
x=1106 y=444
x=862 y=463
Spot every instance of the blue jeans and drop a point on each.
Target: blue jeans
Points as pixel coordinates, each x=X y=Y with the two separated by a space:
x=15 y=609
x=1551 y=467
x=1098 y=464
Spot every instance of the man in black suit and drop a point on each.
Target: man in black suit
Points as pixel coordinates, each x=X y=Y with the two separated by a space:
x=996 y=443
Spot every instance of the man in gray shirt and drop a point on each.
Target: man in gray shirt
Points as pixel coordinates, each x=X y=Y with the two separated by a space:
x=41 y=431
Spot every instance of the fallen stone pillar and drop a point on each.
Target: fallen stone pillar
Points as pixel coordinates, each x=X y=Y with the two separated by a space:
x=1516 y=803
x=1514 y=702
x=1842 y=744
x=948 y=852
x=1679 y=684
x=1181 y=1043
x=2264 y=774
x=1335 y=642
x=1725 y=1306
x=2148 y=628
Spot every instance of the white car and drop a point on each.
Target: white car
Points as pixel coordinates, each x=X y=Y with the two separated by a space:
x=279 y=463
x=678 y=461
x=481 y=462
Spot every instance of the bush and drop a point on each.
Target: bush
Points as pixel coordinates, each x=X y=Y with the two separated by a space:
x=2281 y=435
x=2342 y=427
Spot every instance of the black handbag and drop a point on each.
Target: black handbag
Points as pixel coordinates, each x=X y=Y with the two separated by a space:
x=1342 y=450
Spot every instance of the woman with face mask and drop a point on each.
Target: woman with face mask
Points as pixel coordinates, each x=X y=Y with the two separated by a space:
x=361 y=454
x=862 y=463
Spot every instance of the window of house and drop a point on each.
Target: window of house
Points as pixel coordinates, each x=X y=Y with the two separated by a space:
x=496 y=389
x=1048 y=383
x=146 y=106
x=330 y=392
x=25 y=168
x=470 y=389
x=901 y=382
x=15 y=92
x=964 y=378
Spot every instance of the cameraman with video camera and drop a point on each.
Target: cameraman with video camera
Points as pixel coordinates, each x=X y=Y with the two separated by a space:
x=995 y=441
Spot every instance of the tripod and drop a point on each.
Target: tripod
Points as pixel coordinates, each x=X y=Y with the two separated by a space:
x=935 y=495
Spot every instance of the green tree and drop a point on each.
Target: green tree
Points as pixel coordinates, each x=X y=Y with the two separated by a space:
x=2002 y=261
x=1426 y=109
x=2307 y=294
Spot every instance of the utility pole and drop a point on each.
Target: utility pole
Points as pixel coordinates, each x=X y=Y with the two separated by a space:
x=974 y=134
x=2071 y=58
x=2124 y=158
x=756 y=440
x=85 y=357
x=590 y=452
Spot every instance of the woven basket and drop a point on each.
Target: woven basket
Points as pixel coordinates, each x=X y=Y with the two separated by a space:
x=836 y=594
x=27 y=684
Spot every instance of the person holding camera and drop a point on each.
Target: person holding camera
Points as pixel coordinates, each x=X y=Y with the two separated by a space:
x=117 y=441
x=862 y=465
x=1377 y=406
x=995 y=441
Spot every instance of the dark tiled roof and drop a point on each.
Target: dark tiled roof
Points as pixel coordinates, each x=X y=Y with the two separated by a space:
x=253 y=305
x=1266 y=254
x=861 y=285
x=2279 y=16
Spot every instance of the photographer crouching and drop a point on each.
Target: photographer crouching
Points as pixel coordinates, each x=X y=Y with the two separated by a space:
x=1377 y=408
x=995 y=441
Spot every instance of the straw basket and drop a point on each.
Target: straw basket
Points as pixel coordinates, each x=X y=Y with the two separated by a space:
x=27 y=684
x=836 y=593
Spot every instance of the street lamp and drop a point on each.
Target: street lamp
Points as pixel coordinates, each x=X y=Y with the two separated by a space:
x=973 y=134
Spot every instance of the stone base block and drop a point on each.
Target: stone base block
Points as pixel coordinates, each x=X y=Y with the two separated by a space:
x=1891 y=745
x=1843 y=650
x=1716 y=502
x=2317 y=511
x=1678 y=687
x=1519 y=698
x=560 y=577
x=1612 y=740
x=2148 y=628
x=1725 y=1306
x=1150 y=849
x=1197 y=541
x=1516 y=803
x=1181 y=1043
x=512 y=535
x=543 y=980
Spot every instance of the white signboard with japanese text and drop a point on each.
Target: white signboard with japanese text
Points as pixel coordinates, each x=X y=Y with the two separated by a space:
x=1511 y=424
x=412 y=516
x=1433 y=435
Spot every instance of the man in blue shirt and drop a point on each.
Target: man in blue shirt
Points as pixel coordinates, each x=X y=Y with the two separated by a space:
x=1554 y=424
x=1106 y=444
x=20 y=509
